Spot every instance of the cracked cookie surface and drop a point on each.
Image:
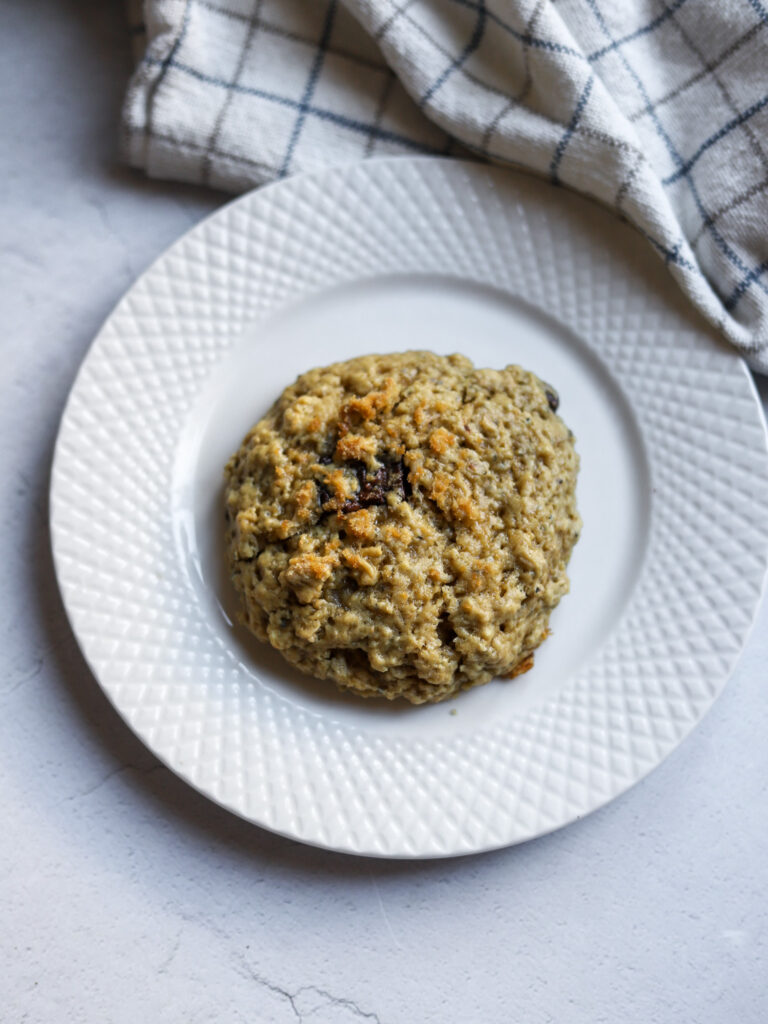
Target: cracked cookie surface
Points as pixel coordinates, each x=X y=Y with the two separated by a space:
x=401 y=524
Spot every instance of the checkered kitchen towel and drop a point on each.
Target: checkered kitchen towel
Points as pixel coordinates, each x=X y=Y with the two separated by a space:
x=658 y=108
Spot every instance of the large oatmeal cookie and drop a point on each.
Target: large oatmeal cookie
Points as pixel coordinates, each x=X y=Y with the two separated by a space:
x=401 y=523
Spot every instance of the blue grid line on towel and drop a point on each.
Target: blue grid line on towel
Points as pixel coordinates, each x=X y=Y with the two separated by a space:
x=469 y=49
x=523 y=37
x=758 y=8
x=547 y=44
x=741 y=287
x=644 y=30
x=742 y=268
x=342 y=120
x=715 y=138
x=578 y=110
x=314 y=74
x=727 y=250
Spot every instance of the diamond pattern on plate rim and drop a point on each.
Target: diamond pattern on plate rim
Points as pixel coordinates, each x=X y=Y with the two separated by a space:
x=155 y=655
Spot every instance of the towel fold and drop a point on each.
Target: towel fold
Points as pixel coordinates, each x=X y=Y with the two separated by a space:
x=657 y=109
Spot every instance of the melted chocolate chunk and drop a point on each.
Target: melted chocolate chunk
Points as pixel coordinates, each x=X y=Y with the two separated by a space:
x=350 y=505
x=392 y=476
x=398 y=479
x=374 y=492
x=405 y=483
x=553 y=399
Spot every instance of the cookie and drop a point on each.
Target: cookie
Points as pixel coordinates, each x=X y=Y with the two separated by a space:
x=401 y=524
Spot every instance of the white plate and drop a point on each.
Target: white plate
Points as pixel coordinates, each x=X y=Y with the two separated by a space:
x=389 y=255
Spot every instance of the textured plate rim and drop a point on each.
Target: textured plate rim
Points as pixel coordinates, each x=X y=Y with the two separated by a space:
x=61 y=571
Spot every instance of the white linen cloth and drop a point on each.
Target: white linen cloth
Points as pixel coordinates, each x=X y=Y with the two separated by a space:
x=657 y=108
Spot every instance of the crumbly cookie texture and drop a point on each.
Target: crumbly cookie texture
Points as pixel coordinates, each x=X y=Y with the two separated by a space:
x=401 y=524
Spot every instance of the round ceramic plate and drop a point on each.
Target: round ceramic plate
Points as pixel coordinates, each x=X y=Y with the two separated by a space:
x=384 y=256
